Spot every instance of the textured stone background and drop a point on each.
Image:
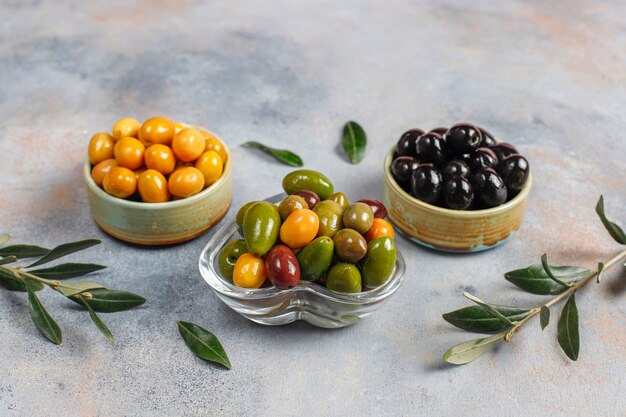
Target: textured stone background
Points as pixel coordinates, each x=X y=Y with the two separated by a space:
x=547 y=76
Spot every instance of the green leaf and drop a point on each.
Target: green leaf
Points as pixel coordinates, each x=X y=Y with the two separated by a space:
x=4 y=238
x=599 y=274
x=535 y=280
x=12 y=283
x=46 y=324
x=470 y=350
x=476 y=319
x=567 y=333
x=354 y=141
x=97 y=321
x=282 y=155
x=66 y=271
x=544 y=317
x=614 y=230
x=76 y=287
x=489 y=308
x=8 y=260
x=24 y=251
x=66 y=249
x=110 y=301
x=203 y=343
x=546 y=267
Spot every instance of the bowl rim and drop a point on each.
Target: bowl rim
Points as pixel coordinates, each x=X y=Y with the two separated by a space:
x=518 y=199
x=91 y=184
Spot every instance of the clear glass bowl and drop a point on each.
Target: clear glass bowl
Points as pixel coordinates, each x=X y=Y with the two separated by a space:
x=307 y=301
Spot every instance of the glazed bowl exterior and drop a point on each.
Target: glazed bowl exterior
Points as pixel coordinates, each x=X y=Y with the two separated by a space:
x=160 y=223
x=307 y=301
x=452 y=230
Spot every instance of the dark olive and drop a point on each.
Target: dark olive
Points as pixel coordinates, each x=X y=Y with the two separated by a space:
x=310 y=197
x=489 y=188
x=350 y=245
x=377 y=207
x=483 y=158
x=488 y=139
x=401 y=170
x=426 y=183
x=282 y=267
x=454 y=168
x=514 y=170
x=458 y=193
x=407 y=143
x=439 y=130
x=502 y=150
x=432 y=148
x=463 y=138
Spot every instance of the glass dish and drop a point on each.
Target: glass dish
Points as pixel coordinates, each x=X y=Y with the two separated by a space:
x=307 y=301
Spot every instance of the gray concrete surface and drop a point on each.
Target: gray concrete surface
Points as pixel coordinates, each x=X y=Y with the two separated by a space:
x=547 y=76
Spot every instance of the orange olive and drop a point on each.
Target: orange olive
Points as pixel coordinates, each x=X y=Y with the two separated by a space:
x=188 y=144
x=249 y=271
x=153 y=187
x=126 y=127
x=139 y=171
x=185 y=182
x=214 y=144
x=157 y=130
x=380 y=228
x=101 y=169
x=299 y=228
x=211 y=166
x=160 y=158
x=100 y=147
x=178 y=127
x=129 y=153
x=120 y=182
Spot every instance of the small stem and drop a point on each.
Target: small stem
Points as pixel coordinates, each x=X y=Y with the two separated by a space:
x=24 y=274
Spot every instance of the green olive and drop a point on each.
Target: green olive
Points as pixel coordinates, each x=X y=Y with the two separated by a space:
x=379 y=262
x=330 y=215
x=290 y=204
x=315 y=258
x=341 y=199
x=261 y=224
x=241 y=213
x=344 y=277
x=306 y=179
x=350 y=245
x=228 y=257
x=358 y=216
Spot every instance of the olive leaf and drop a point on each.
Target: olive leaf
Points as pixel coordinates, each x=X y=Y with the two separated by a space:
x=567 y=331
x=535 y=280
x=66 y=249
x=43 y=321
x=544 y=317
x=203 y=343
x=546 y=267
x=104 y=300
x=66 y=271
x=15 y=283
x=354 y=141
x=24 y=251
x=477 y=320
x=73 y=288
x=4 y=238
x=285 y=156
x=614 y=230
x=487 y=307
x=8 y=260
x=97 y=321
x=599 y=273
x=468 y=351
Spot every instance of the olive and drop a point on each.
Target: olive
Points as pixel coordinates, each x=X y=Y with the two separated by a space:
x=380 y=212
x=407 y=144
x=379 y=262
x=483 y=158
x=330 y=216
x=402 y=168
x=439 y=130
x=458 y=193
x=454 y=168
x=309 y=196
x=488 y=139
x=306 y=179
x=426 y=183
x=514 y=170
x=344 y=277
x=489 y=188
x=315 y=258
x=241 y=213
x=463 y=138
x=341 y=199
x=432 y=148
x=502 y=150
x=228 y=257
x=358 y=216
x=290 y=204
x=282 y=267
x=350 y=245
x=261 y=224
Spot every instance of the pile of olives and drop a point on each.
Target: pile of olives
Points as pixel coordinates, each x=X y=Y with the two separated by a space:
x=314 y=235
x=461 y=168
x=155 y=161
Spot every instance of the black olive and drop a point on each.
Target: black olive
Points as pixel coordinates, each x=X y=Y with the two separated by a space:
x=395 y=155
x=432 y=148
x=407 y=143
x=514 y=171
x=483 y=158
x=458 y=193
x=426 y=183
x=489 y=188
x=454 y=168
x=463 y=138
x=488 y=139
x=502 y=150
x=401 y=170
x=439 y=130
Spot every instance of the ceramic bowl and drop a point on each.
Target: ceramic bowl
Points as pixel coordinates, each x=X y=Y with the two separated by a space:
x=307 y=301
x=452 y=230
x=160 y=223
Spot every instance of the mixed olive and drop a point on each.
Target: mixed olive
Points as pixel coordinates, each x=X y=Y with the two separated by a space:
x=461 y=168
x=156 y=161
x=314 y=234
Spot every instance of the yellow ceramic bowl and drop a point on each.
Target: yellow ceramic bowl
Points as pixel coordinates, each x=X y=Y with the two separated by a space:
x=160 y=223
x=452 y=230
